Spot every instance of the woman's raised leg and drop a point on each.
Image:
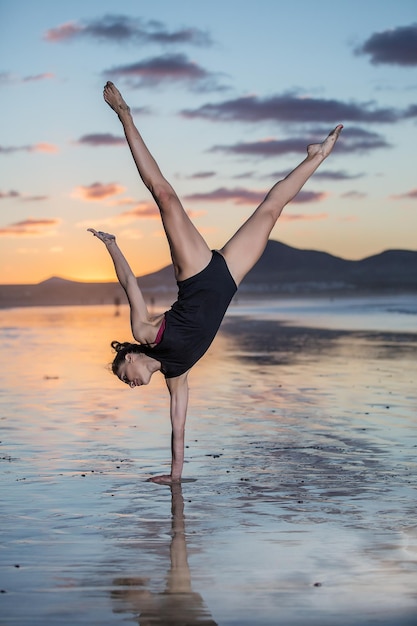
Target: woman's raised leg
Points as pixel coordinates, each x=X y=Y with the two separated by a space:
x=244 y=249
x=189 y=251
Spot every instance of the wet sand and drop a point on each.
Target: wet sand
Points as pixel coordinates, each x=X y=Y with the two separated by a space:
x=299 y=506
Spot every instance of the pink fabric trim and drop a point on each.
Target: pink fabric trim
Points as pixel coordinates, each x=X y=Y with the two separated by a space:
x=160 y=332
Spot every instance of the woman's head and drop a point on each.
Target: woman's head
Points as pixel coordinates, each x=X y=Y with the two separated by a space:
x=130 y=365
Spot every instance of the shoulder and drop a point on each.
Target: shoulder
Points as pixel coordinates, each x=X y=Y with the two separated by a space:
x=146 y=332
x=178 y=382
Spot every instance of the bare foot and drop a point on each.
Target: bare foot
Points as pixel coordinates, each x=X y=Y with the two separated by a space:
x=114 y=99
x=324 y=149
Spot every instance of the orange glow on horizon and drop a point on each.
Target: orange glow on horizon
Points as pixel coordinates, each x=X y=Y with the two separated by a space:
x=79 y=275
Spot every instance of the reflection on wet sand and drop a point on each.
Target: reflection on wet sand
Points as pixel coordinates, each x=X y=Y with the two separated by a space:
x=178 y=604
x=302 y=442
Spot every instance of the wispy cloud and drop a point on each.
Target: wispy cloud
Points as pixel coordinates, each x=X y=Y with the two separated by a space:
x=101 y=139
x=97 y=192
x=303 y=217
x=336 y=175
x=124 y=29
x=167 y=68
x=264 y=147
x=357 y=139
x=353 y=140
x=34 y=198
x=304 y=197
x=15 y=195
x=30 y=227
x=44 y=147
x=353 y=195
x=7 y=78
x=200 y=175
x=238 y=195
x=38 y=147
x=408 y=195
x=141 y=211
x=411 y=111
x=38 y=77
x=9 y=194
x=396 y=46
x=241 y=195
x=145 y=110
x=291 y=108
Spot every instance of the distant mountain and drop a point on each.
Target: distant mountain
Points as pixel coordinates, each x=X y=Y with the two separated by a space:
x=281 y=270
x=290 y=270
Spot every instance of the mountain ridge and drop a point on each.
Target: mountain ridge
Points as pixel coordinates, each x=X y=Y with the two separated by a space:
x=281 y=270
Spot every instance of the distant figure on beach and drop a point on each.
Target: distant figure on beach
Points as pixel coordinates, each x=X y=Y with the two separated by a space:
x=171 y=343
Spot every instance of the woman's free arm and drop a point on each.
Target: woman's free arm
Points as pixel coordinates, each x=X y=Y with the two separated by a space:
x=143 y=331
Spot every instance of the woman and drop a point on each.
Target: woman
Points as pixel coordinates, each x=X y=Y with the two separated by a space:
x=207 y=280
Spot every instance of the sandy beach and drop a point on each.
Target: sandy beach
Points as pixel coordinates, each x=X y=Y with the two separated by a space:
x=298 y=506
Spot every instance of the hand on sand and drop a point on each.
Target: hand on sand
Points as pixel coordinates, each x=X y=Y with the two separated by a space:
x=324 y=149
x=104 y=237
x=166 y=479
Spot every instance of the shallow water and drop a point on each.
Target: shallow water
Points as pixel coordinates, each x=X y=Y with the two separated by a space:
x=302 y=450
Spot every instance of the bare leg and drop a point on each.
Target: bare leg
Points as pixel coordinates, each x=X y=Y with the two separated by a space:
x=244 y=249
x=190 y=253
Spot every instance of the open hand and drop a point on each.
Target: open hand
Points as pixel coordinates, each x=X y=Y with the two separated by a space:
x=104 y=237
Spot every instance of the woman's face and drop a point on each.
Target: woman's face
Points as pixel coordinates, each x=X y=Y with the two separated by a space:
x=133 y=370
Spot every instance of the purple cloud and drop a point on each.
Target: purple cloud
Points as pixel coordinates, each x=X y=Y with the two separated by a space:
x=241 y=195
x=16 y=195
x=29 y=227
x=123 y=29
x=101 y=139
x=409 y=195
x=199 y=175
x=291 y=108
x=9 y=194
x=411 y=111
x=352 y=140
x=321 y=175
x=336 y=175
x=264 y=147
x=168 y=68
x=396 y=46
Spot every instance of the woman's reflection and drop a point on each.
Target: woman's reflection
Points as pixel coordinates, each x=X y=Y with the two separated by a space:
x=178 y=605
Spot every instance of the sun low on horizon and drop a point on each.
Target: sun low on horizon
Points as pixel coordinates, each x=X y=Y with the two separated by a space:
x=227 y=96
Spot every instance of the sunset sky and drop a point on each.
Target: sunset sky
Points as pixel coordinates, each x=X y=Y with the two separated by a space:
x=227 y=95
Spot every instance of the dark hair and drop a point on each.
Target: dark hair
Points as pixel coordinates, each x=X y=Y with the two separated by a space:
x=121 y=350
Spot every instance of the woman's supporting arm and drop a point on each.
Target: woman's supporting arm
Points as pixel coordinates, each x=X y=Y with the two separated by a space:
x=178 y=389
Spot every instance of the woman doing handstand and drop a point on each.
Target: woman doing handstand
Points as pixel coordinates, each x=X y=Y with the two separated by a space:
x=207 y=280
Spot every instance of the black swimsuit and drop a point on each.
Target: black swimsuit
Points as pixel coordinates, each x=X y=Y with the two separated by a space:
x=194 y=319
